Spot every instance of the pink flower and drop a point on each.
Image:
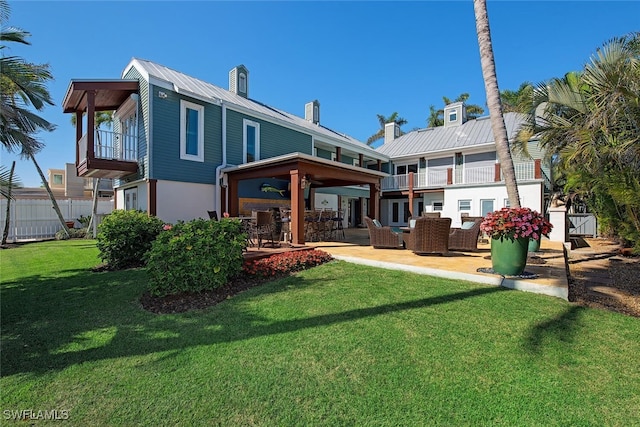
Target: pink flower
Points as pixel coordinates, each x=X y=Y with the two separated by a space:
x=225 y=214
x=167 y=227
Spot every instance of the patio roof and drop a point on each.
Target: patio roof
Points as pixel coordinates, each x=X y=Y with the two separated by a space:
x=298 y=168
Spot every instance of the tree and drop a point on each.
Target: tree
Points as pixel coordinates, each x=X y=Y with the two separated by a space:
x=23 y=85
x=493 y=101
x=383 y=121
x=8 y=182
x=590 y=120
x=517 y=101
x=436 y=117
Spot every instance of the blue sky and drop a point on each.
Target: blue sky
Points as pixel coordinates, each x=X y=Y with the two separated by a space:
x=358 y=58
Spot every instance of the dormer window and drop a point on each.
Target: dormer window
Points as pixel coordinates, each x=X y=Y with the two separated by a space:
x=453 y=115
x=242 y=83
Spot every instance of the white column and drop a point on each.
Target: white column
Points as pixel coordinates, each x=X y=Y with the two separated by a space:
x=558 y=218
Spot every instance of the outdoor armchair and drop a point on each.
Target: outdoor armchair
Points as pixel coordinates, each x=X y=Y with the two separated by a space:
x=382 y=236
x=466 y=238
x=429 y=235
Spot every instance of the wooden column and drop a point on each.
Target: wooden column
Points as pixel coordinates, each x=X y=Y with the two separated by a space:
x=297 y=208
x=338 y=154
x=379 y=165
x=537 y=168
x=374 y=202
x=91 y=115
x=449 y=176
x=78 y=136
x=361 y=160
x=234 y=203
x=410 y=193
x=152 y=197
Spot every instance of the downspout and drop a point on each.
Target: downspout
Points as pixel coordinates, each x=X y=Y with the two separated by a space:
x=218 y=204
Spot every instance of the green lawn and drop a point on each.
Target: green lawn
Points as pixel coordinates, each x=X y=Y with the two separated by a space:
x=339 y=344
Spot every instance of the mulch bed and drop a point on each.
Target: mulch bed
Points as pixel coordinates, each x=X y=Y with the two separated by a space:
x=185 y=301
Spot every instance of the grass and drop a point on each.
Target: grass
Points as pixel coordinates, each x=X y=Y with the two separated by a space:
x=339 y=344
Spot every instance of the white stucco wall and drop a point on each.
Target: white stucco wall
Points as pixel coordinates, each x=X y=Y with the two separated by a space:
x=531 y=196
x=183 y=201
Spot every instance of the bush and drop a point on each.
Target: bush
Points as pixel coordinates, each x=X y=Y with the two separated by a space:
x=74 y=233
x=125 y=236
x=285 y=263
x=195 y=256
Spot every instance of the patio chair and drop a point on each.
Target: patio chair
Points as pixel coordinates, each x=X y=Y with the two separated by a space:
x=429 y=235
x=466 y=237
x=381 y=237
x=213 y=215
x=265 y=227
x=431 y=214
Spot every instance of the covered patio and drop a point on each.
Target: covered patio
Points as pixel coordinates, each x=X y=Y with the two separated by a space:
x=302 y=171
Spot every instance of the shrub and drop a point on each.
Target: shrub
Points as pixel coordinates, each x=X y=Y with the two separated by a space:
x=125 y=236
x=195 y=256
x=284 y=263
x=74 y=233
x=84 y=221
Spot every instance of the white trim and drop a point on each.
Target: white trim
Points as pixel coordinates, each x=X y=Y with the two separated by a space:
x=184 y=105
x=256 y=125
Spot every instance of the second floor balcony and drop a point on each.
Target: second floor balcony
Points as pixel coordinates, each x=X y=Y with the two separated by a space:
x=440 y=178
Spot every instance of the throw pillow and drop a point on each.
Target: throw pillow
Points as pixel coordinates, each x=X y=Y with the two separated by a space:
x=468 y=225
x=377 y=223
x=412 y=223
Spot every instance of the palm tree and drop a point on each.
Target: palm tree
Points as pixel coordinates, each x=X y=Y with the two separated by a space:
x=436 y=117
x=23 y=85
x=383 y=121
x=8 y=182
x=493 y=101
x=591 y=122
x=519 y=100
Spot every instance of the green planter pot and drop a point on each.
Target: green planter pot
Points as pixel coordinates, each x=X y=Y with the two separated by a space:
x=509 y=255
x=534 y=245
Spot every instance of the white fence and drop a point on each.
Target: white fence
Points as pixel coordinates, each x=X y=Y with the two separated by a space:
x=35 y=218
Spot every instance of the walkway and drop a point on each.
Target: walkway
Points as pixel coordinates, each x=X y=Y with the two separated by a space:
x=548 y=265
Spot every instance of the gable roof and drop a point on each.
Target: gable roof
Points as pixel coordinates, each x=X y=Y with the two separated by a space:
x=469 y=134
x=179 y=82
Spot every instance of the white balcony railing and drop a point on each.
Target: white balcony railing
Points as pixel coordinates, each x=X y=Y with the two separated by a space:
x=438 y=178
x=110 y=145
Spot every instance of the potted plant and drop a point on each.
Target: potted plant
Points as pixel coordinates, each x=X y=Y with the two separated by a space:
x=510 y=230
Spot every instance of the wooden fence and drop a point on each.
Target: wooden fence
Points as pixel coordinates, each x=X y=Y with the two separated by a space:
x=34 y=219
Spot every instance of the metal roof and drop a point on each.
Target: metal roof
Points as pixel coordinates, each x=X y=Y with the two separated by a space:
x=191 y=86
x=469 y=134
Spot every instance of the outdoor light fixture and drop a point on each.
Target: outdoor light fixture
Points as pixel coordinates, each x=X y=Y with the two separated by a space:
x=162 y=95
x=304 y=182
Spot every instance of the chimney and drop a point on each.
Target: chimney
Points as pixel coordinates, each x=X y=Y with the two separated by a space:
x=239 y=81
x=312 y=112
x=391 y=132
x=455 y=114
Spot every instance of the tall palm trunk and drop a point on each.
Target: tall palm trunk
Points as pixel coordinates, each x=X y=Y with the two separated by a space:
x=5 y=233
x=51 y=196
x=493 y=101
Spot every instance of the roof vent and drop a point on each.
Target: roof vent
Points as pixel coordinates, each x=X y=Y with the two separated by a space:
x=455 y=114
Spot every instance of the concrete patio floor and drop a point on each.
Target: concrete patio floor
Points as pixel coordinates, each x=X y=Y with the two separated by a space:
x=548 y=265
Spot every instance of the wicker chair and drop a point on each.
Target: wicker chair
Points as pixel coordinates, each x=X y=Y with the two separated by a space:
x=466 y=240
x=383 y=237
x=431 y=214
x=429 y=235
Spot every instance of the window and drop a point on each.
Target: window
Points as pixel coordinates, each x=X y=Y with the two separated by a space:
x=242 y=83
x=464 y=205
x=250 y=141
x=486 y=206
x=57 y=179
x=131 y=199
x=405 y=169
x=506 y=203
x=437 y=206
x=458 y=157
x=453 y=115
x=191 y=131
